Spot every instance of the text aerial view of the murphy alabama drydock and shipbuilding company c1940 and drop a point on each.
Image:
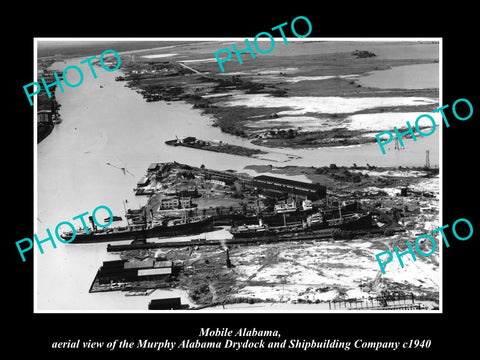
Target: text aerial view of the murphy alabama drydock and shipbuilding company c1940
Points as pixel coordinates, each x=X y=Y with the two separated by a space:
x=260 y=188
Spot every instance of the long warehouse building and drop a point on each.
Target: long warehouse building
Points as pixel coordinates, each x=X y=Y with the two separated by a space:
x=311 y=191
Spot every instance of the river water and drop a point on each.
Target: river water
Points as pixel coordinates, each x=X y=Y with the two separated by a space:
x=418 y=76
x=107 y=126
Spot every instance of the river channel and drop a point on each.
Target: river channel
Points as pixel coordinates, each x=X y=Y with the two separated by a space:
x=107 y=126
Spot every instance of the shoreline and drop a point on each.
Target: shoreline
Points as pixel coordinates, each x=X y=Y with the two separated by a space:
x=45 y=128
x=253 y=278
x=263 y=125
x=220 y=147
x=207 y=91
x=96 y=144
x=44 y=131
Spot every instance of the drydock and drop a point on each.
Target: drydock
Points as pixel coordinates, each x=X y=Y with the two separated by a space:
x=261 y=218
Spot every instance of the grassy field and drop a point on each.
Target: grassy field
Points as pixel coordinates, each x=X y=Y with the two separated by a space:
x=292 y=74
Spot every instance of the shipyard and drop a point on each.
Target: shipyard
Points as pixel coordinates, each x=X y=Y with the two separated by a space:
x=239 y=224
x=260 y=189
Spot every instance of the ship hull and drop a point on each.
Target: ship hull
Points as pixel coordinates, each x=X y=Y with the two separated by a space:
x=158 y=231
x=362 y=222
x=251 y=234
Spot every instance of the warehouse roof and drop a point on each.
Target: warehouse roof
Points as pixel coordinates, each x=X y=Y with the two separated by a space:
x=287 y=182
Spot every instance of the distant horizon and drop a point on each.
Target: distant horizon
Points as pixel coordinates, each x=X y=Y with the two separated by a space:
x=50 y=48
x=71 y=47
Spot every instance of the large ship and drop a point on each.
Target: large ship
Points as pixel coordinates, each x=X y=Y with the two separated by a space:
x=161 y=228
x=313 y=222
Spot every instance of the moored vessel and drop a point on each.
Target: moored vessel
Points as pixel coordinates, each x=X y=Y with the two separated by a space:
x=312 y=222
x=162 y=228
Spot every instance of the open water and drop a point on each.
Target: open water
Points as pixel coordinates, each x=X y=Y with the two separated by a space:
x=106 y=127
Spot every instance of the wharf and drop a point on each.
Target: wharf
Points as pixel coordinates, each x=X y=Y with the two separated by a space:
x=323 y=235
x=219 y=147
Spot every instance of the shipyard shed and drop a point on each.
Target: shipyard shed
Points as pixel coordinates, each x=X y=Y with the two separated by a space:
x=113 y=264
x=148 y=264
x=166 y=304
x=219 y=175
x=311 y=191
x=120 y=275
x=106 y=276
x=123 y=271
x=144 y=181
x=154 y=272
x=274 y=195
x=154 y=167
x=163 y=264
x=139 y=264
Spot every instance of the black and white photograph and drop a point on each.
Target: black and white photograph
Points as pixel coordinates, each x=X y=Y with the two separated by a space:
x=260 y=188
x=210 y=181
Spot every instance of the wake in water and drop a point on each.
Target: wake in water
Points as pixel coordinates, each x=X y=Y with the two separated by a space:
x=124 y=169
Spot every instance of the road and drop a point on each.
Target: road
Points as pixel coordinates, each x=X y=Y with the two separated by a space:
x=189 y=68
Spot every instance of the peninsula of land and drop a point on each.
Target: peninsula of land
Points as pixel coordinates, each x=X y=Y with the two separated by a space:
x=317 y=102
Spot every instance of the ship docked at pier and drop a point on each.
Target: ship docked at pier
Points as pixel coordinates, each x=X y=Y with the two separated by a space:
x=159 y=228
x=312 y=223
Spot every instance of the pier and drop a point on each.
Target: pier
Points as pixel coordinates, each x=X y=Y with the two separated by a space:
x=215 y=146
x=321 y=235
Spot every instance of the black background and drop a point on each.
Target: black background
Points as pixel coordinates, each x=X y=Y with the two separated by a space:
x=455 y=24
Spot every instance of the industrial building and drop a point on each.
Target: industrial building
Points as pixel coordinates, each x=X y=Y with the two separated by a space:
x=154 y=167
x=167 y=304
x=311 y=191
x=144 y=181
x=121 y=271
x=227 y=178
x=175 y=203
